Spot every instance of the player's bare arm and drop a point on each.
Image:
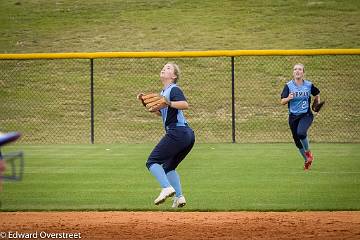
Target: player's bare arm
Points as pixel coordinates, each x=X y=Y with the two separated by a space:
x=284 y=101
x=181 y=105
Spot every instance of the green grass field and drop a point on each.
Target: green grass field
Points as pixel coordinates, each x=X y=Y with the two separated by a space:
x=48 y=101
x=215 y=177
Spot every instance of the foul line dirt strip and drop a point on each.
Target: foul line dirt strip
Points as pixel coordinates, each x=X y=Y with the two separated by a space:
x=182 y=225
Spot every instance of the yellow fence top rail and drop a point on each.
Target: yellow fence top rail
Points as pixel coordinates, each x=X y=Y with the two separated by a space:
x=215 y=53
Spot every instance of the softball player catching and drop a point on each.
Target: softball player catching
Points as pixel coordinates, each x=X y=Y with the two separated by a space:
x=179 y=137
x=296 y=94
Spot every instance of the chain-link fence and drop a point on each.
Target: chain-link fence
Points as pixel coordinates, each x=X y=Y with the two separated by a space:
x=49 y=101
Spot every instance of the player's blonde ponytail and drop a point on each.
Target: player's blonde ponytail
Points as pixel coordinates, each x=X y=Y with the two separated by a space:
x=176 y=71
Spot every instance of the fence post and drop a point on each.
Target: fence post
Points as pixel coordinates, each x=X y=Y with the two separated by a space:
x=233 y=98
x=92 y=100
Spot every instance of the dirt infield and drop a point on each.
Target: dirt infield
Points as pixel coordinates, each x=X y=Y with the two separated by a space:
x=183 y=225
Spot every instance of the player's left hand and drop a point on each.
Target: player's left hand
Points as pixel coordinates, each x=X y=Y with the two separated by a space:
x=316 y=106
x=154 y=102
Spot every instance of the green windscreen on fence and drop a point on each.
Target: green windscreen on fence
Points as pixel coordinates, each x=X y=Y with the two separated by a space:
x=48 y=101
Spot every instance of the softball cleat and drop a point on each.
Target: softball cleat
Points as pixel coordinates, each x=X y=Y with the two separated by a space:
x=164 y=194
x=309 y=156
x=179 y=202
x=309 y=160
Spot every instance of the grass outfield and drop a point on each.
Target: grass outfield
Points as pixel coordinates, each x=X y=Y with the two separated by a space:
x=215 y=177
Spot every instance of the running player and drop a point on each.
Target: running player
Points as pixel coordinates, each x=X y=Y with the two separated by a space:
x=177 y=142
x=297 y=95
